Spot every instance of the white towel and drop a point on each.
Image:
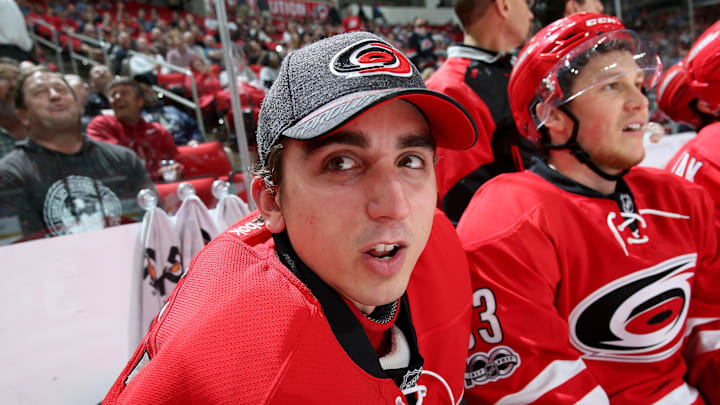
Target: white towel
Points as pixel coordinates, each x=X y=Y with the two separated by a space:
x=162 y=266
x=229 y=210
x=195 y=226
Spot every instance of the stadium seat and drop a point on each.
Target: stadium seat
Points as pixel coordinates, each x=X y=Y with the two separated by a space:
x=237 y=181
x=207 y=158
x=168 y=80
x=170 y=201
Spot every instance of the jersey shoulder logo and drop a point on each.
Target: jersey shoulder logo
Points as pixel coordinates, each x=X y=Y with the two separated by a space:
x=370 y=57
x=687 y=167
x=483 y=368
x=638 y=318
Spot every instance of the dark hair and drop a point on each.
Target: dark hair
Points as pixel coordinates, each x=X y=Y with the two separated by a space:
x=20 y=94
x=272 y=172
x=547 y=11
x=567 y=74
x=127 y=82
x=468 y=11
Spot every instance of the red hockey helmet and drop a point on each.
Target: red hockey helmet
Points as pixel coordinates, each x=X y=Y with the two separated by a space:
x=703 y=66
x=556 y=54
x=674 y=96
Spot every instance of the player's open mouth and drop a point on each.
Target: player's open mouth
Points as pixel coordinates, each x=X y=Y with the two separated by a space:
x=633 y=127
x=383 y=251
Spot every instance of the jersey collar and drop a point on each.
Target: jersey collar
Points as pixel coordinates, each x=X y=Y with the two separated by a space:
x=345 y=326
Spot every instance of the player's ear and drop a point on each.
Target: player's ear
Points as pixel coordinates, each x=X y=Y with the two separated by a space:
x=558 y=123
x=571 y=7
x=502 y=7
x=705 y=108
x=267 y=202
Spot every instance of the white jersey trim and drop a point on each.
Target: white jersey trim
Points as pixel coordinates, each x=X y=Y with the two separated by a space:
x=554 y=375
x=705 y=341
x=459 y=51
x=681 y=395
x=595 y=397
x=692 y=323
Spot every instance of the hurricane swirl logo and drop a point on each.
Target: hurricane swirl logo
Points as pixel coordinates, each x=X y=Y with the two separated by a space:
x=370 y=57
x=482 y=368
x=638 y=318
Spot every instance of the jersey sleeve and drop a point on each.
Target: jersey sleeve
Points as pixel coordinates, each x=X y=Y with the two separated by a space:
x=520 y=352
x=692 y=163
x=702 y=350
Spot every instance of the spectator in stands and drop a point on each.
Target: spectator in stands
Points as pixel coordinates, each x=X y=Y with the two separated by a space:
x=253 y=51
x=121 y=51
x=210 y=23
x=11 y=129
x=82 y=91
x=547 y=11
x=97 y=100
x=207 y=82
x=420 y=47
x=183 y=128
x=147 y=63
x=179 y=54
x=352 y=21
x=58 y=181
x=15 y=41
x=159 y=41
x=476 y=74
x=88 y=49
x=271 y=63
x=213 y=54
x=143 y=22
x=150 y=141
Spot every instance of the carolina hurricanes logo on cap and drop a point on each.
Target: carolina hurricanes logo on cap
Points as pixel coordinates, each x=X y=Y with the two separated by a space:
x=638 y=318
x=370 y=57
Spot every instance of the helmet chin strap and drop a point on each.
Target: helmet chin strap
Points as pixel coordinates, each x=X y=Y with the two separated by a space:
x=577 y=151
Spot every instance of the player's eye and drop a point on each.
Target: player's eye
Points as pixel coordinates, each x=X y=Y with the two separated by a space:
x=412 y=162
x=340 y=163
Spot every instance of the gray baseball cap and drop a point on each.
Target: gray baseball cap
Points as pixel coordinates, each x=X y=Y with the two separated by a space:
x=327 y=84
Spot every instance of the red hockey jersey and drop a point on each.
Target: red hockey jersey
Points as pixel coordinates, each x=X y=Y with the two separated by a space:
x=699 y=162
x=242 y=328
x=585 y=298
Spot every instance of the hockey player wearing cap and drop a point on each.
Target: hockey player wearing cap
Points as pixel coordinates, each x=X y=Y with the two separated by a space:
x=594 y=280
x=699 y=159
x=313 y=302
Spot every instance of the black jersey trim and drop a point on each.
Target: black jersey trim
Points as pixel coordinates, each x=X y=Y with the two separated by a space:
x=346 y=328
x=542 y=169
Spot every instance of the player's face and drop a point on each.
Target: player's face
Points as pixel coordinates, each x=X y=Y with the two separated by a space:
x=611 y=114
x=49 y=103
x=520 y=21
x=358 y=204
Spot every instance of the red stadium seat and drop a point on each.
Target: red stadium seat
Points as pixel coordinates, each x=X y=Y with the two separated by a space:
x=207 y=158
x=170 y=201
x=168 y=80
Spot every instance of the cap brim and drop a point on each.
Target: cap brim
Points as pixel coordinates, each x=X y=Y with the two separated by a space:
x=450 y=124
